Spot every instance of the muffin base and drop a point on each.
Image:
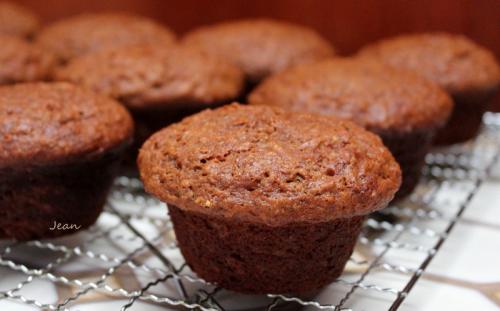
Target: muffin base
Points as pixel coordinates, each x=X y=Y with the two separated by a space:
x=409 y=150
x=33 y=199
x=464 y=123
x=257 y=258
x=247 y=90
x=148 y=121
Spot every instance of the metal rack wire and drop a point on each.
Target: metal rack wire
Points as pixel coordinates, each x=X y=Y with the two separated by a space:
x=130 y=256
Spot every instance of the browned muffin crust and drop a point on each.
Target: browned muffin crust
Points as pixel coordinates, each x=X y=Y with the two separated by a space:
x=55 y=123
x=265 y=165
x=21 y=61
x=16 y=20
x=147 y=76
x=452 y=61
x=260 y=46
x=86 y=33
x=367 y=92
x=401 y=107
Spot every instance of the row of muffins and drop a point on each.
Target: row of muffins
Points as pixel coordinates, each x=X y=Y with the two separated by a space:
x=120 y=49
x=257 y=194
x=161 y=81
x=466 y=71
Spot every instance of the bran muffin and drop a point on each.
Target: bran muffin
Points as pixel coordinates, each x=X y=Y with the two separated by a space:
x=402 y=108
x=261 y=47
x=467 y=71
x=60 y=146
x=22 y=61
x=267 y=201
x=16 y=20
x=158 y=85
x=88 y=33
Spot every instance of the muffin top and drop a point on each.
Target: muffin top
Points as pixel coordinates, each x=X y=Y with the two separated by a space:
x=21 y=61
x=54 y=123
x=16 y=20
x=454 y=62
x=86 y=33
x=261 y=47
x=257 y=163
x=146 y=76
x=371 y=94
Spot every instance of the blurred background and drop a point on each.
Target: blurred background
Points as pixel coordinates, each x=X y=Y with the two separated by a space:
x=348 y=24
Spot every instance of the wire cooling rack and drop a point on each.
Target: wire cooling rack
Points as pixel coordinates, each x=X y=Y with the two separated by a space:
x=129 y=258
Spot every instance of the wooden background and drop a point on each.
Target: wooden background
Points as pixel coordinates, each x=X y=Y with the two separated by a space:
x=347 y=23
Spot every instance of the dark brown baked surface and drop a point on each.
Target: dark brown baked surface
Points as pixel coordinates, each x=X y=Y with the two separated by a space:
x=260 y=46
x=452 y=61
x=409 y=149
x=16 y=20
x=265 y=165
x=255 y=258
x=372 y=95
x=54 y=123
x=86 y=33
x=146 y=76
x=21 y=61
x=33 y=198
x=465 y=121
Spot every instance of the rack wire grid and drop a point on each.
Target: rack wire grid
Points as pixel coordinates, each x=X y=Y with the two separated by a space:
x=129 y=257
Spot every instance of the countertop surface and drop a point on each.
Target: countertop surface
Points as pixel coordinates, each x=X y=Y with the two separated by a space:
x=465 y=273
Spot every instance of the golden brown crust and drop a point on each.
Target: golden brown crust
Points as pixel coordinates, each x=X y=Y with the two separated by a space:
x=16 y=20
x=54 y=123
x=453 y=61
x=372 y=95
x=256 y=163
x=259 y=46
x=21 y=61
x=148 y=76
x=92 y=32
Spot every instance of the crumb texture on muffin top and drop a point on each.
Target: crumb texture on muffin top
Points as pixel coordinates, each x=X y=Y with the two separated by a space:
x=260 y=46
x=257 y=163
x=148 y=75
x=373 y=95
x=91 y=32
x=21 y=61
x=51 y=123
x=16 y=20
x=453 y=61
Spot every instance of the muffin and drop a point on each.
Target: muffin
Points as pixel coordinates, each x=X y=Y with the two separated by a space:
x=16 y=20
x=60 y=145
x=158 y=85
x=467 y=71
x=402 y=108
x=261 y=47
x=22 y=61
x=267 y=201
x=87 y=33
